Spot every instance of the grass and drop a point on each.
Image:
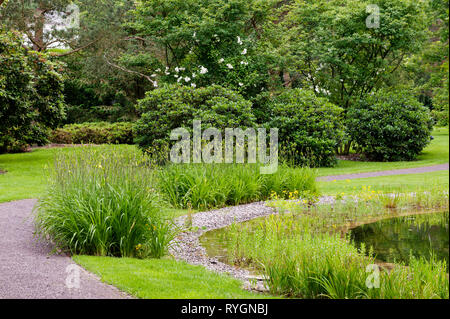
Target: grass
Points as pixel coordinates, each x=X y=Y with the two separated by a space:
x=102 y=201
x=164 y=279
x=303 y=253
x=206 y=186
x=25 y=176
x=394 y=183
x=437 y=152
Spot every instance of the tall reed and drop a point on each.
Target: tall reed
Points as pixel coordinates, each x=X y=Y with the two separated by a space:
x=215 y=185
x=103 y=201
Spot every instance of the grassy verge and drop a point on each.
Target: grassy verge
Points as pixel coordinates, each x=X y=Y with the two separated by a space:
x=164 y=278
x=435 y=153
x=395 y=183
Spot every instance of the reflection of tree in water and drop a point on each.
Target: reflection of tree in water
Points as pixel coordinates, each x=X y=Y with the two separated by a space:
x=394 y=239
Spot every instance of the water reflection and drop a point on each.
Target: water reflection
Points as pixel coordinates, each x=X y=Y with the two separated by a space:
x=393 y=240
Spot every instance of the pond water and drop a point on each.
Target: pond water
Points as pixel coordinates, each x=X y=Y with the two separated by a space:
x=392 y=239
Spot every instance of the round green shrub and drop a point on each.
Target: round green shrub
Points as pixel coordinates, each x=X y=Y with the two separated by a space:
x=390 y=126
x=310 y=128
x=175 y=106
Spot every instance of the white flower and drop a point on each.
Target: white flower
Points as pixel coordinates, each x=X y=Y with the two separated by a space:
x=193 y=85
x=176 y=75
x=153 y=75
x=167 y=73
x=194 y=75
x=179 y=79
x=244 y=62
x=244 y=52
x=221 y=60
x=155 y=84
x=194 y=35
x=177 y=69
x=229 y=66
x=158 y=70
x=181 y=69
x=239 y=40
x=187 y=79
x=203 y=70
x=241 y=84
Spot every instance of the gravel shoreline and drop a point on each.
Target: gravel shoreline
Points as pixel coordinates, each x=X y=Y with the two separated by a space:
x=187 y=245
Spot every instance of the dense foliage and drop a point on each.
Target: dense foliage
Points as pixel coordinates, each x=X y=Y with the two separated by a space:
x=31 y=99
x=310 y=128
x=174 y=106
x=342 y=50
x=204 y=186
x=390 y=126
x=335 y=50
x=95 y=133
x=102 y=201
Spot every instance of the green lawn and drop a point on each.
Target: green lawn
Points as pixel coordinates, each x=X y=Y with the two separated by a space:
x=25 y=177
x=398 y=183
x=433 y=154
x=164 y=279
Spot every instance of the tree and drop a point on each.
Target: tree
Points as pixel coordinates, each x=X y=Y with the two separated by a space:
x=98 y=37
x=428 y=69
x=31 y=99
x=214 y=41
x=330 y=48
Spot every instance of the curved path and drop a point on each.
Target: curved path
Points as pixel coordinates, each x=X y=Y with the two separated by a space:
x=29 y=270
x=414 y=170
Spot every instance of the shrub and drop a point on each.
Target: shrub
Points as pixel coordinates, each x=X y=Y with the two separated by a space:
x=206 y=186
x=96 y=133
x=102 y=201
x=310 y=128
x=174 y=106
x=30 y=94
x=440 y=117
x=390 y=126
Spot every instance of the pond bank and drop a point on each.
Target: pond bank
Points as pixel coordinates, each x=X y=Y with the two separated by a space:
x=187 y=245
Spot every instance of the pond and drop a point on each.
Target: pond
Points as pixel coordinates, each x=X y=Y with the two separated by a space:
x=392 y=239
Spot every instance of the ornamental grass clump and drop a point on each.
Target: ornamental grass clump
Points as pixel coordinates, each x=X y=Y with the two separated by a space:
x=101 y=201
x=206 y=186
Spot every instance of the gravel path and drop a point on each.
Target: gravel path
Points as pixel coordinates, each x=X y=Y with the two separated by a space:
x=415 y=170
x=29 y=270
x=188 y=248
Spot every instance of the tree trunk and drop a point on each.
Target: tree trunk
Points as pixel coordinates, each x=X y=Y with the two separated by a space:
x=38 y=36
x=287 y=79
